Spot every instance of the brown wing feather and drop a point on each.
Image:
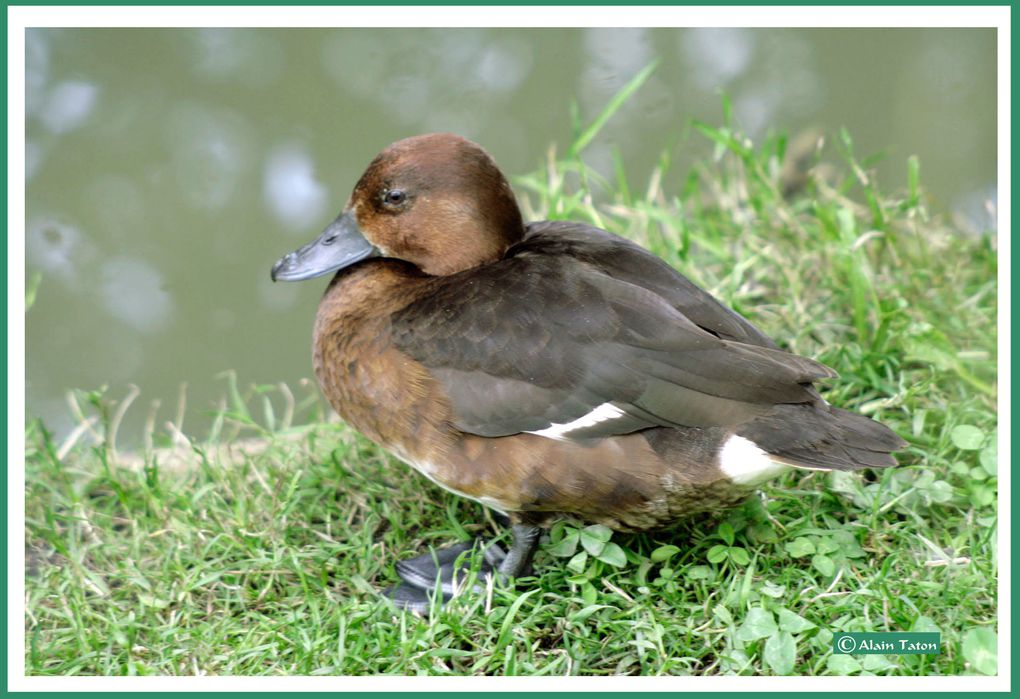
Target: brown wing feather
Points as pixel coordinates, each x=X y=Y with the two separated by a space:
x=543 y=337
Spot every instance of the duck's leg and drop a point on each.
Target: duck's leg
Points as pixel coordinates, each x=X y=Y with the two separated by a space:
x=518 y=560
x=439 y=572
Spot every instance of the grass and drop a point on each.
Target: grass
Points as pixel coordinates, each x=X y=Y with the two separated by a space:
x=260 y=549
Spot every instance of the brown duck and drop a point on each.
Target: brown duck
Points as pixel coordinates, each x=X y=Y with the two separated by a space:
x=549 y=369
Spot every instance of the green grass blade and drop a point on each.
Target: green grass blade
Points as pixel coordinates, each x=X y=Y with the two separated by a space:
x=614 y=104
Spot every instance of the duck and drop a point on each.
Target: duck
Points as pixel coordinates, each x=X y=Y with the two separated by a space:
x=551 y=369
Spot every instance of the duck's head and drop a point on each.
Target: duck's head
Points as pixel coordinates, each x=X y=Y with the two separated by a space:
x=437 y=201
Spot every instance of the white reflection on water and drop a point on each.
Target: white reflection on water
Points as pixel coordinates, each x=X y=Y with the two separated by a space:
x=295 y=197
x=211 y=150
x=503 y=66
x=52 y=409
x=978 y=210
x=785 y=87
x=791 y=70
x=613 y=56
x=57 y=248
x=37 y=68
x=716 y=56
x=132 y=291
x=949 y=72
x=68 y=105
x=756 y=108
x=249 y=56
x=435 y=80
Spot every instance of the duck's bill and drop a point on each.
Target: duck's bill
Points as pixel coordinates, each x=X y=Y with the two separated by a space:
x=340 y=245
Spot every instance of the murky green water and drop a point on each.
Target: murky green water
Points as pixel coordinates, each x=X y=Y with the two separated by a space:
x=167 y=169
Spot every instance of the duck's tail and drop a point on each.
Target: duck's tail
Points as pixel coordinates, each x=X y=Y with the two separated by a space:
x=823 y=437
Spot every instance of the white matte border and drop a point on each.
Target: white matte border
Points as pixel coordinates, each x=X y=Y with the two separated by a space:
x=419 y=16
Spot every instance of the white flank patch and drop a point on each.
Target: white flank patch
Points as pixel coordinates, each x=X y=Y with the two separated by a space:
x=744 y=463
x=606 y=411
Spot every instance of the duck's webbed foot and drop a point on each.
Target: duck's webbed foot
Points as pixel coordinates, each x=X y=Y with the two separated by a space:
x=443 y=572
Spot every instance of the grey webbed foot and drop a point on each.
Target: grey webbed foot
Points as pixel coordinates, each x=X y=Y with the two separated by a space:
x=443 y=572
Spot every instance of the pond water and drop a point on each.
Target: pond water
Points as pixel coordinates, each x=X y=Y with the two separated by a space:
x=167 y=169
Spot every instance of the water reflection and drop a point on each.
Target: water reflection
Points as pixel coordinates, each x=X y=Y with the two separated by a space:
x=57 y=248
x=786 y=85
x=133 y=292
x=437 y=79
x=977 y=210
x=211 y=148
x=68 y=105
x=247 y=56
x=503 y=66
x=613 y=57
x=716 y=56
x=37 y=65
x=294 y=196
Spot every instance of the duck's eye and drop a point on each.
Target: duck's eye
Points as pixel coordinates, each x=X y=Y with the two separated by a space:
x=394 y=197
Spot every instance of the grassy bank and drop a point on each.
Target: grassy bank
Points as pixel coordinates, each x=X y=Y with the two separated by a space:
x=265 y=558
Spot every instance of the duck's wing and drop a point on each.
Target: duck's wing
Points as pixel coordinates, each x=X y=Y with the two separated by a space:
x=552 y=344
x=624 y=260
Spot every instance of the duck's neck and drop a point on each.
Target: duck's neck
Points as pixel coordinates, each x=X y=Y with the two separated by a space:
x=355 y=364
